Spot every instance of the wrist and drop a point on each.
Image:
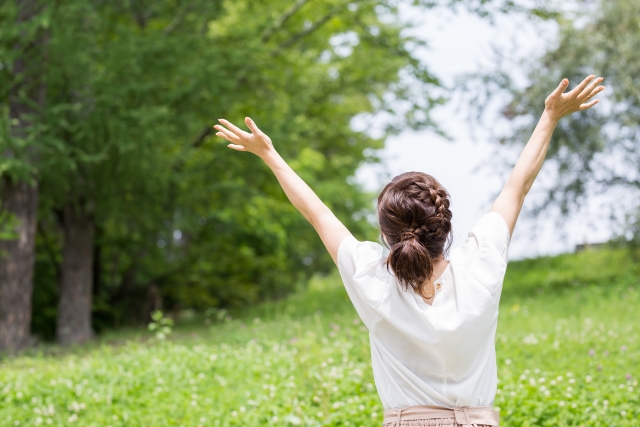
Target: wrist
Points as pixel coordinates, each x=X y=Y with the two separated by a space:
x=550 y=116
x=269 y=156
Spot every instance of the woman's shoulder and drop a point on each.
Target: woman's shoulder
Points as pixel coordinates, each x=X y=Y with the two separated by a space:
x=484 y=254
x=359 y=256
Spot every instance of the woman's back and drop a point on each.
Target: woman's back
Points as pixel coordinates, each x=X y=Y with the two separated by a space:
x=440 y=354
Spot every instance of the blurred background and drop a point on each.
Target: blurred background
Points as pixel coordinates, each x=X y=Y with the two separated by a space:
x=118 y=200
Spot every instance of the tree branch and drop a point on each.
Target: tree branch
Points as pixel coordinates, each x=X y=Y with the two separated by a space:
x=179 y=18
x=282 y=19
x=201 y=136
x=302 y=34
x=619 y=180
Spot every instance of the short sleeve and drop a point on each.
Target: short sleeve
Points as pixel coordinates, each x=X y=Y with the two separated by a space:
x=360 y=264
x=485 y=253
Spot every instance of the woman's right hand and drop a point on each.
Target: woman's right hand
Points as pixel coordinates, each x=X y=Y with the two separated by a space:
x=255 y=142
x=560 y=104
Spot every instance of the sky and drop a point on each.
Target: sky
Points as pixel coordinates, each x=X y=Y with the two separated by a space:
x=461 y=43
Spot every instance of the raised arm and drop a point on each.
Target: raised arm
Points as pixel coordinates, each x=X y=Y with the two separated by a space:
x=330 y=229
x=557 y=105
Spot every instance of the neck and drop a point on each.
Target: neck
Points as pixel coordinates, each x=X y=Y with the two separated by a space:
x=439 y=266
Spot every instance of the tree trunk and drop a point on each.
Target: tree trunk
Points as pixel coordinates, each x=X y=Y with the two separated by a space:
x=16 y=265
x=76 y=276
x=21 y=198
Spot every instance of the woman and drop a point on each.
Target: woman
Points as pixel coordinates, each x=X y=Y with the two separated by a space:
x=431 y=321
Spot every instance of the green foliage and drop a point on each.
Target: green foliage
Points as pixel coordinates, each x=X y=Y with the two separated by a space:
x=133 y=89
x=595 y=152
x=566 y=357
x=551 y=274
x=160 y=324
x=7 y=225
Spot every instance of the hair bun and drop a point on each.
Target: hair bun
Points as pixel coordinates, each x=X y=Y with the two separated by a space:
x=415 y=219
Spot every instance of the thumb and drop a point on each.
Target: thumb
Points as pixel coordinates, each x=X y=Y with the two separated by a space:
x=561 y=87
x=250 y=123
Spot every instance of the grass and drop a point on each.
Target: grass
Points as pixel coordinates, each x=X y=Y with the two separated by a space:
x=567 y=347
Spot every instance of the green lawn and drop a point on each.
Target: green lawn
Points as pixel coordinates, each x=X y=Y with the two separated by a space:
x=567 y=344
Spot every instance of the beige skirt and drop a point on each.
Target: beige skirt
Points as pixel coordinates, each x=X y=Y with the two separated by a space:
x=440 y=416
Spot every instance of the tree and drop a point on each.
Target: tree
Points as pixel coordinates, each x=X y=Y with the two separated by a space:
x=135 y=133
x=596 y=152
x=139 y=207
x=26 y=34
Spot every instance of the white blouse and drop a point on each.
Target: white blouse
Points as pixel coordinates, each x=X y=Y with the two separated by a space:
x=441 y=354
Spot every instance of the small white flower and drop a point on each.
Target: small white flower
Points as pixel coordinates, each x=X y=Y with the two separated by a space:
x=561 y=403
x=507 y=362
x=623 y=413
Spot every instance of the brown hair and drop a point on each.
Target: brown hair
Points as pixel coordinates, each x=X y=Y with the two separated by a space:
x=414 y=216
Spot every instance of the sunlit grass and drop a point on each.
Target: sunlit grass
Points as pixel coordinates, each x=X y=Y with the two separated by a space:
x=567 y=356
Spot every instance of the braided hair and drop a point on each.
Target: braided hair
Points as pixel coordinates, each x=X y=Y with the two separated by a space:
x=414 y=217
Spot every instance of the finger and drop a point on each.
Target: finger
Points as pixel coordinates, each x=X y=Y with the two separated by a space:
x=227 y=133
x=222 y=135
x=251 y=125
x=561 y=88
x=233 y=128
x=578 y=89
x=236 y=147
x=590 y=87
x=588 y=105
x=594 y=92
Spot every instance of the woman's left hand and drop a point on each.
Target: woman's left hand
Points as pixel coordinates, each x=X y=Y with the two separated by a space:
x=560 y=104
x=255 y=142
